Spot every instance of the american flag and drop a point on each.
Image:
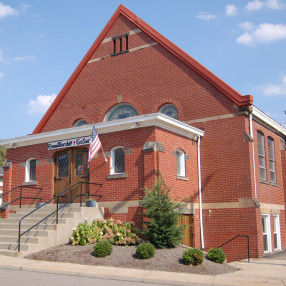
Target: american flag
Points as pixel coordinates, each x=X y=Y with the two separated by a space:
x=94 y=145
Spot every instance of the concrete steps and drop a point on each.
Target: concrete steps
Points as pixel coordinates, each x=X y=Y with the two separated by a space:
x=47 y=233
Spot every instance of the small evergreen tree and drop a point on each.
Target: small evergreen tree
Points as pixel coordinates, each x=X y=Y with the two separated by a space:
x=162 y=227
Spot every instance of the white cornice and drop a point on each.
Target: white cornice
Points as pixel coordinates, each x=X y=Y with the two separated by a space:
x=268 y=120
x=153 y=119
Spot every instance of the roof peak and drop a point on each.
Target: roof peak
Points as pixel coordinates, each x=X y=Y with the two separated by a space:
x=224 y=88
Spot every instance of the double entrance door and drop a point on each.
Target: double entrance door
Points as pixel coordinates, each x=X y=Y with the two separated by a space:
x=71 y=167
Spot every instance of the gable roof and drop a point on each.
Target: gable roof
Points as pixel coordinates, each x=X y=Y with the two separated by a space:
x=224 y=88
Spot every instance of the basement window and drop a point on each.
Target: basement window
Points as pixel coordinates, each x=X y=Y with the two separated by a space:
x=120 y=44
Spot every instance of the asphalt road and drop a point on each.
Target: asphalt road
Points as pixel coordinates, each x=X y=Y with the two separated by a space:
x=12 y=277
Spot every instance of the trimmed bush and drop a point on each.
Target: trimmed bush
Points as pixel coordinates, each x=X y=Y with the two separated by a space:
x=193 y=256
x=216 y=255
x=102 y=248
x=145 y=250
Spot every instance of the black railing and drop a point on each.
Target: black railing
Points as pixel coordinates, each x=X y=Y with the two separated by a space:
x=60 y=195
x=239 y=235
x=20 y=197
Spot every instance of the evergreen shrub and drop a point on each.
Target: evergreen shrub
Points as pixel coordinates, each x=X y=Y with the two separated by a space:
x=193 y=256
x=145 y=250
x=216 y=255
x=162 y=228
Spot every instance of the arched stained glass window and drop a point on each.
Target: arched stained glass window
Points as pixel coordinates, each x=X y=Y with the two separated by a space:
x=170 y=110
x=121 y=111
x=79 y=122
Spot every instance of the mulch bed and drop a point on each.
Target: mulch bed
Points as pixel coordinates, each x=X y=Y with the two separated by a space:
x=124 y=257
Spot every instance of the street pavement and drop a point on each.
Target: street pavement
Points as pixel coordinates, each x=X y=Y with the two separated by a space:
x=269 y=270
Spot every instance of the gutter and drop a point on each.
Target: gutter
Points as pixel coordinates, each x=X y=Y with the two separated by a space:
x=200 y=194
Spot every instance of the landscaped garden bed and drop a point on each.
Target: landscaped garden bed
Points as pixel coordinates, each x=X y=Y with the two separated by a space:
x=125 y=257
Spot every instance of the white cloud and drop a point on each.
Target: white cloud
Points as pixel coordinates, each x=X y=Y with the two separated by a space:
x=269 y=4
x=248 y=26
x=263 y=33
x=6 y=10
x=205 y=16
x=26 y=58
x=254 y=5
x=230 y=10
x=1 y=56
x=275 y=5
x=1 y=75
x=41 y=104
x=271 y=89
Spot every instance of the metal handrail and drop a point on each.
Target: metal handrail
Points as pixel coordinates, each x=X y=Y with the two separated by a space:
x=20 y=197
x=57 y=209
x=239 y=235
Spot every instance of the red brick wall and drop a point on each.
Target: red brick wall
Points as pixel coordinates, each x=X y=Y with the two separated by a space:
x=169 y=80
x=147 y=79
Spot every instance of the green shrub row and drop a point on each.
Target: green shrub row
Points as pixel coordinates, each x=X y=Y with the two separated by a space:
x=195 y=256
x=115 y=231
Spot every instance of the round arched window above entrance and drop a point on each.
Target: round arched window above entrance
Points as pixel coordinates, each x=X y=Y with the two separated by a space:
x=79 y=122
x=121 y=111
x=170 y=110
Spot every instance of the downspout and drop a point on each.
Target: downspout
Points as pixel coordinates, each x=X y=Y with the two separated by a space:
x=253 y=154
x=200 y=193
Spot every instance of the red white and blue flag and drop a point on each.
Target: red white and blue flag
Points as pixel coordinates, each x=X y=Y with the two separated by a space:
x=94 y=144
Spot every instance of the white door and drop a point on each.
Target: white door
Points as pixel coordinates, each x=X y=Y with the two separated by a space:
x=266 y=233
x=276 y=232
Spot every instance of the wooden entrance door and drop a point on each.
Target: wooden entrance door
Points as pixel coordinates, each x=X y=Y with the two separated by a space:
x=188 y=232
x=71 y=168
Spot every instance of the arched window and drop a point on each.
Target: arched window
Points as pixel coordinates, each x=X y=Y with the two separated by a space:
x=261 y=155
x=170 y=110
x=117 y=161
x=79 y=122
x=121 y=111
x=271 y=151
x=30 y=170
x=181 y=168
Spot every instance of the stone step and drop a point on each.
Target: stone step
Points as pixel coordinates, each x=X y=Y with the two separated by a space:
x=14 y=246
x=40 y=216
x=31 y=233
x=49 y=206
x=24 y=226
x=31 y=221
x=14 y=239
x=47 y=210
x=9 y=253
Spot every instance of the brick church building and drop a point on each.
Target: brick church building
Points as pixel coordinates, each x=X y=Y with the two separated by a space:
x=159 y=111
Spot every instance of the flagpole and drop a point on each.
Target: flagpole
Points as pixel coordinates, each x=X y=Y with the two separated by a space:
x=103 y=154
x=101 y=147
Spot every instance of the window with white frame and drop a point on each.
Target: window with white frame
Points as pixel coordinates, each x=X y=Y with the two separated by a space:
x=117 y=161
x=271 y=160
x=266 y=233
x=261 y=155
x=181 y=168
x=276 y=232
x=30 y=170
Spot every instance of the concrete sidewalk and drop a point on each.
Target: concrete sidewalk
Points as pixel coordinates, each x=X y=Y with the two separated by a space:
x=262 y=271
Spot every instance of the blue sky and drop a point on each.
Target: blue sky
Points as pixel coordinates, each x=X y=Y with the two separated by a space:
x=42 y=42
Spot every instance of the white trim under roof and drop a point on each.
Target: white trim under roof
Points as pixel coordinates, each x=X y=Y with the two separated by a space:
x=153 y=119
x=268 y=120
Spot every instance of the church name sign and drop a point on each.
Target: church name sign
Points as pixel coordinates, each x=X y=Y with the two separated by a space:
x=68 y=143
